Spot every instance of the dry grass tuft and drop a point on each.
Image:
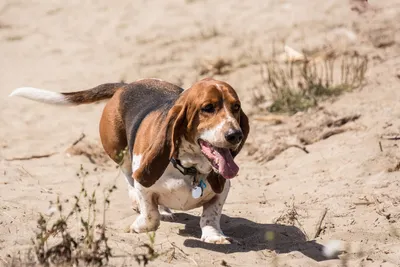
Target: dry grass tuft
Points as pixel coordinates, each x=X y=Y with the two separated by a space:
x=290 y=216
x=298 y=85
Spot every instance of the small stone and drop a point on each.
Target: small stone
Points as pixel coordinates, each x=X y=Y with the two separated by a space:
x=332 y=248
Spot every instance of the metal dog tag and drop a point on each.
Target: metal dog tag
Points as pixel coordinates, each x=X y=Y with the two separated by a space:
x=197 y=192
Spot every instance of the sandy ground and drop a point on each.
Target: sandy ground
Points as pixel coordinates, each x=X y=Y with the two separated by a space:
x=73 y=45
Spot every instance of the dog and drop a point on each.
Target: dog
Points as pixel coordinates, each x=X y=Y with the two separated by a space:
x=175 y=147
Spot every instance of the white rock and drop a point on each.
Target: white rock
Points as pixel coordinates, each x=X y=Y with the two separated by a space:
x=332 y=248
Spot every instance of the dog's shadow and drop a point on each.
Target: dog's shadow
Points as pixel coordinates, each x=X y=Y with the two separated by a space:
x=252 y=237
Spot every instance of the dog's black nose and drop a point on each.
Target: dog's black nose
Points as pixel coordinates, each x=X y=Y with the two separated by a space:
x=234 y=136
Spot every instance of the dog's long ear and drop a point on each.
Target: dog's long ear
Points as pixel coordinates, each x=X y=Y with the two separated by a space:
x=216 y=181
x=244 y=125
x=177 y=130
x=156 y=157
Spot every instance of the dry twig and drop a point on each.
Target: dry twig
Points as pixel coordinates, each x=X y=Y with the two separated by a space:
x=392 y=137
x=318 y=229
x=83 y=135
x=32 y=157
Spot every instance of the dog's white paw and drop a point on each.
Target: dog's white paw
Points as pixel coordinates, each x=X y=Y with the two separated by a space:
x=135 y=228
x=217 y=239
x=143 y=225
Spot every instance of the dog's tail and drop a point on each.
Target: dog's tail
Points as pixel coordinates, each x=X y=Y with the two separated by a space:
x=97 y=93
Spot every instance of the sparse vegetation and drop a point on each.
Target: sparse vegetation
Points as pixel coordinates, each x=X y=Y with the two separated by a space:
x=55 y=244
x=298 y=85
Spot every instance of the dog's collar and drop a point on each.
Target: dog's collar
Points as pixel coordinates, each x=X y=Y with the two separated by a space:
x=192 y=171
x=198 y=187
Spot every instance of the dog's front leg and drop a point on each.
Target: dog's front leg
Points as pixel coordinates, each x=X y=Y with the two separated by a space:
x=149 y=218
x=210 y=219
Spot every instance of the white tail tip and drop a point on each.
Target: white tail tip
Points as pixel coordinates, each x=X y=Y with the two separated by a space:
x=41 y=95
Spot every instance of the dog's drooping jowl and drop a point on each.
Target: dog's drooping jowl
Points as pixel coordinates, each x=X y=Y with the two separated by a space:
x=179 y=144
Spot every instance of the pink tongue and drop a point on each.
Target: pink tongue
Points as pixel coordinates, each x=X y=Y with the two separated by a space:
x=227 y=167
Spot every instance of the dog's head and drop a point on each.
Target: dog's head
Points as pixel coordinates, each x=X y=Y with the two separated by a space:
x=211 y=117
x=207 y=115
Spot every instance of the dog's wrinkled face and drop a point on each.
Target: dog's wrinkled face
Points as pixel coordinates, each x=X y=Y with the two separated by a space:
x=214 y=124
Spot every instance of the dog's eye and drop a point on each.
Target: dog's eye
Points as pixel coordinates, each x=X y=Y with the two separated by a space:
x=236 y=107
x=209 y=108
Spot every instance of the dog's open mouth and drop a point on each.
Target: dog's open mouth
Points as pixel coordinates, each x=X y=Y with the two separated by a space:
x=221 y=159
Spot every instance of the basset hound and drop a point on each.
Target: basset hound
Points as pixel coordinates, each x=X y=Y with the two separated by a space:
x=175 y=147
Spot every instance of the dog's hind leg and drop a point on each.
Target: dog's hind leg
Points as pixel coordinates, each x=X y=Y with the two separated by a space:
x=126 y=168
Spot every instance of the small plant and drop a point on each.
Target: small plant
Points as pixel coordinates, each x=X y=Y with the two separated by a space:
x=290 y=216
x=298 y=85
x=54 y=243
x=121 y=155
x=151 y=254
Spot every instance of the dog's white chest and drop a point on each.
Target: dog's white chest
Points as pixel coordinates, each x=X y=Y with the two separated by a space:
x=175 y=190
